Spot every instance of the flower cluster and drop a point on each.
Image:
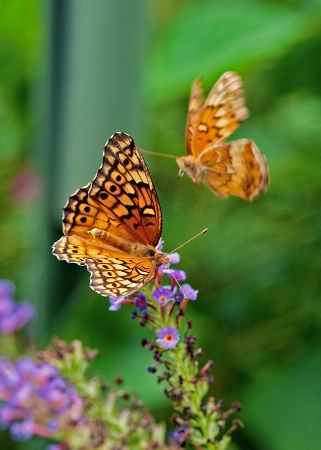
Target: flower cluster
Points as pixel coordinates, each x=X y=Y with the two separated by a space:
x=53 y=398
x=112 y=417
x=13 y=315
x=162 y=308
x=35 y=399
x=171 y=296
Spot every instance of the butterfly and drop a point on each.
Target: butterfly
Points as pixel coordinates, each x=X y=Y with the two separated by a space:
x=227 y=168
x=114 y=223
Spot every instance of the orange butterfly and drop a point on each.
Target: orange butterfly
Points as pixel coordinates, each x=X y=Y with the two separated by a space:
x=113 y=224
x=227 y=168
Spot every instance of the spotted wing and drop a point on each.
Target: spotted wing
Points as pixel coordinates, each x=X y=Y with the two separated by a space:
x=119 y=277
x=196 y=102
x=121 y=200
x=221 y=114
x=78 y=249
x=123 y=189
x=80 y=215
x=235 y=168
x=112 y=273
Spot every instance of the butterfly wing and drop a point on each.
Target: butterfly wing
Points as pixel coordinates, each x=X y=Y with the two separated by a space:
x=235 y=168
x=81 y=214
x=123 y=187
x=221 y=113
x=111 y=272
x=119 y=277
x=121 y=200
x=196 y=102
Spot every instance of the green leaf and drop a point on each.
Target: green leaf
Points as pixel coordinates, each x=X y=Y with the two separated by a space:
x=210 y=37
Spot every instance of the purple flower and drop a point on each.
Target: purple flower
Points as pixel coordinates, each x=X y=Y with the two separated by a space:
x=168 y=337
x=13 y=315
x=55 y=447
x=21 y=431
x=179 y=297
x=175 y=274
x=6 y=289
x=116 y=303
x=9 y=377
x=164 y=294
x=35 y=399
x=141 y=302
x=174 y=258
x=188 y=291
x=180 y=436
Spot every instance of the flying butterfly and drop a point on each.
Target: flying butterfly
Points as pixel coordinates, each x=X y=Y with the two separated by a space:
x=114 y=223
x=227 y=168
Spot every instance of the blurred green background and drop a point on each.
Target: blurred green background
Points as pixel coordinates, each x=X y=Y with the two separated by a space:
x=74 y=72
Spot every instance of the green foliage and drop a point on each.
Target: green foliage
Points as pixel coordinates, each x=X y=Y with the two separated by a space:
x=207 y=38
x=296 y=386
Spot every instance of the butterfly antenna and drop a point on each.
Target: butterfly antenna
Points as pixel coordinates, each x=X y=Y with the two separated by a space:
x=165 y=155
x=189 y=240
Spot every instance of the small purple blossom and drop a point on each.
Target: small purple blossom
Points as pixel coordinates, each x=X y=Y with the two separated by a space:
x=141 y=302
x=21 y=431
x=56 y=447
x=35 y=399
x=175 y=274
x=115 y=303
x=187 y=291
x=13 y=315
x=174 y=258
x=180 y=436
x=179 y=297
x=168 y=337
x=164 y=294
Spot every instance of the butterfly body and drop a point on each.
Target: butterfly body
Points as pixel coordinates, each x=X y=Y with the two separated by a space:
x=227 y=168
x=134 y=249
x=114 y=223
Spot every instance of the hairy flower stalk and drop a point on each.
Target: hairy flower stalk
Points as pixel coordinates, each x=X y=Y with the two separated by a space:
x=106 y=425
x=199 y=422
